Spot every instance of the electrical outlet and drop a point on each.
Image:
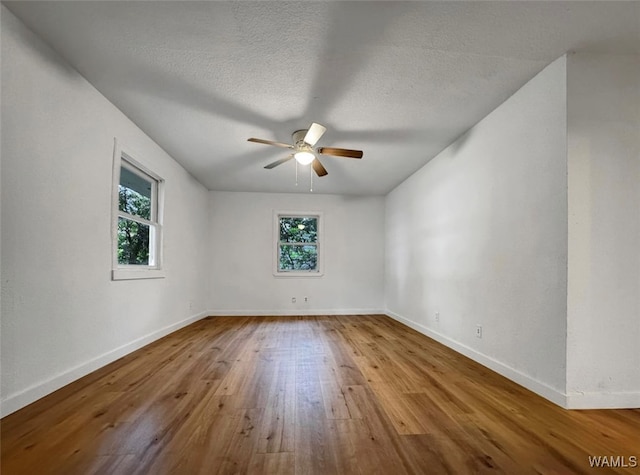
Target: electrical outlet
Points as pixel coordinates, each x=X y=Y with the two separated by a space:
x=293 y=300
x=478 y=331
x=437 y=316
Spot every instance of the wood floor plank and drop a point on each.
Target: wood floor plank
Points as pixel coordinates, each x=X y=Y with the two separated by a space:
x=277 y=432
x=374 y=437
x=314 y=444
x=335 y=402
x=270 y=463
x=399 y=410
x=306 y=395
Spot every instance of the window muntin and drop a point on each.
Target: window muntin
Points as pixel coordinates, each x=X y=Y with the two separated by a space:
x=298 y=244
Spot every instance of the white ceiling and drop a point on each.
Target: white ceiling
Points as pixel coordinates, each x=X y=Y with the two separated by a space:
x=399 y=80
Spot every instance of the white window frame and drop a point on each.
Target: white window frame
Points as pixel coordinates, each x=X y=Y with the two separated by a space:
x=319 y=271
x=123 y=157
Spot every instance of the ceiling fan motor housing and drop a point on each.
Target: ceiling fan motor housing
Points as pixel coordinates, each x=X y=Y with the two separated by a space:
x=299 y=143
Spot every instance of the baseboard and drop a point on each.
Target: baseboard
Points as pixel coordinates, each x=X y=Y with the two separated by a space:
x=294 y=312
x=21 y=399
x=626 y=400
x=538 y=387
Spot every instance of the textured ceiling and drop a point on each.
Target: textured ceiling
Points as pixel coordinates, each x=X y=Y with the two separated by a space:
x=399 y=80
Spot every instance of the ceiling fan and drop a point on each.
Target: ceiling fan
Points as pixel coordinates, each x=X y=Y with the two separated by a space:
x=302 y=146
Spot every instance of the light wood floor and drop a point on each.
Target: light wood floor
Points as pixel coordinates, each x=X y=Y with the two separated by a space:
x=322 y=395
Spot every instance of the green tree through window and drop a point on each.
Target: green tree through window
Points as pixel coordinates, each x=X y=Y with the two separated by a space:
x=133 y=236
x=137 y=217
x=298 y=243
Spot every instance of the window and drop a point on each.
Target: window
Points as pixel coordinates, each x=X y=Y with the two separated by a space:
x=137 y=220
x=298 y=244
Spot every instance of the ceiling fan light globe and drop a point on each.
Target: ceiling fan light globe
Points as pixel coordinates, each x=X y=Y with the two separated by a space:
x=304 y=158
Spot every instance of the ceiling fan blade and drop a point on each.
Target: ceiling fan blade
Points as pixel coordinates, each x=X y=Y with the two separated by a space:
x=270 y=142
x=340 y=152
x=278 y=162
x=314 y=133
x=318 y=168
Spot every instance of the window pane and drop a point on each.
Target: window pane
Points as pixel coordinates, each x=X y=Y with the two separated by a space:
x=134 y=194
x=298 y=229
x=294 y=257
x=133 y=242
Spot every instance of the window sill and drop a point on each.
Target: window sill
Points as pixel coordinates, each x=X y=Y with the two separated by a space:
x=289 y=275
x=134 y=274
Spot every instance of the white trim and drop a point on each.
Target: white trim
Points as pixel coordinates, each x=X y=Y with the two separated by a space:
x=538 y=387
x=137 y=219
x=21 y=399
x=319 y=244
x=122 y=156
x=296 y=312
x=135 y=273
x=293 y=275
x=628 y=400
x=115 y=183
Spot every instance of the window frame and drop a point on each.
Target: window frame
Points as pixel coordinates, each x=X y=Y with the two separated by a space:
x=123 y=157
x=319 y=271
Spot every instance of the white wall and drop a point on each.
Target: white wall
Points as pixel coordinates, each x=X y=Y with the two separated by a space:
x=241 y=238
x=62 y=316
x=603 y=345
x=483 y=234
x=479 y=235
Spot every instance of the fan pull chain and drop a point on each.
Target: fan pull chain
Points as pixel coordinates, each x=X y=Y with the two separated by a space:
x=296 y=172
x=311 y=179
